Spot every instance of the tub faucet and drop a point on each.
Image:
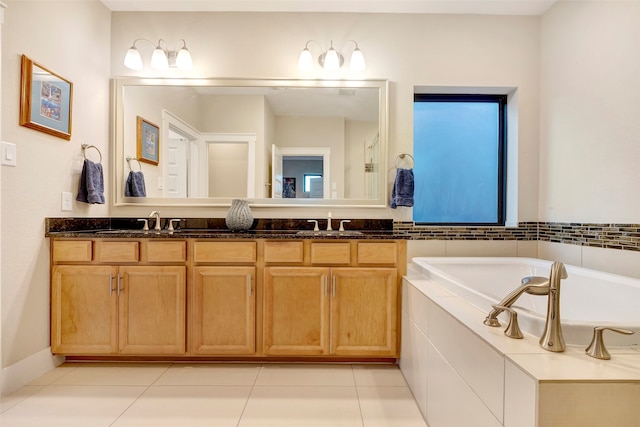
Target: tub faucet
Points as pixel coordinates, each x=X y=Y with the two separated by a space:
x=533 y=285
x=552 y=339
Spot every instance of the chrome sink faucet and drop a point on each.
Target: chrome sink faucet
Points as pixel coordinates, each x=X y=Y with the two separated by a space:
x=552 y=339
x=156 y=215
x=329 y=228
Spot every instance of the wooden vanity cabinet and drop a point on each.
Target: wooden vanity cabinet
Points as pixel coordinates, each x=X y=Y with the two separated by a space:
x=223 y=298
x=107 y=303
x=243 y=298
x=296 y=311
x=364 y=311
x=346 y=307
x=84 y=310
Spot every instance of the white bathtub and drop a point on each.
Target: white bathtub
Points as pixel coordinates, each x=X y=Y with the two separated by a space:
x=588 y=298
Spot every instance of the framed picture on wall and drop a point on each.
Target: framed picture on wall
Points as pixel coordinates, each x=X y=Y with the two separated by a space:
x=147 y=141
x=45 y=100
x=288 y=188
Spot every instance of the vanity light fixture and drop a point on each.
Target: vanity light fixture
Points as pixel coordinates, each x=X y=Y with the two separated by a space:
x=332 y=59
x=162 y=58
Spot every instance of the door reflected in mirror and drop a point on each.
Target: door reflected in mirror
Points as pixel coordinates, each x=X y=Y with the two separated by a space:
x=272 y=141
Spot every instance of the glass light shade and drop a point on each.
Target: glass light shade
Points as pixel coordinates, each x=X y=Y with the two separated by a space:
x=357 y=61
x=183 y=60
x=159 y=60
x=331 y=60
x=305 y=62
x=132 y=59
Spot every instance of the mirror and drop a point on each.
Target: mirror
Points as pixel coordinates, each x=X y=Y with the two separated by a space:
x=274 y=142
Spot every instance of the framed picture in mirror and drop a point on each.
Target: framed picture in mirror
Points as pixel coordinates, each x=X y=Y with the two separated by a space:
x=45 y=100
x=288 y=188
x=148 y=141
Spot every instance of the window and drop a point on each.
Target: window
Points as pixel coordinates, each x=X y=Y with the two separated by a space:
x=307 y=181
x=460 y=151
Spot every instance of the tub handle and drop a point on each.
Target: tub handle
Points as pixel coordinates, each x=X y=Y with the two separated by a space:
x=513 y=329
x=596 y=348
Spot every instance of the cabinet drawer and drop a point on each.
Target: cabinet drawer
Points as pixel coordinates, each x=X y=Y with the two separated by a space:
x=72 y=250
x=224 y=252
x=377 y=253
x=330 y=253
x=117 y=251
x=166 y=251
x=291 y=252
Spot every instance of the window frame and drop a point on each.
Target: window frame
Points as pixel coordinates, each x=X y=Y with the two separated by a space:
x=501 y=100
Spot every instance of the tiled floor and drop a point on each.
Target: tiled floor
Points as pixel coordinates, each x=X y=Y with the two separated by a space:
x=219 y=395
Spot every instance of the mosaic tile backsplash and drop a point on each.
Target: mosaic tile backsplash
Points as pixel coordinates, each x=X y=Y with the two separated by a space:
x=612 y=236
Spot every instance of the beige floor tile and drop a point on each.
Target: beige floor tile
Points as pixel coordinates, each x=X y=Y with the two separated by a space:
x=18 y=396
x=389 y=407
x=378 y=376
x=55 y=374
x=192 y=406
x=72 y=406
x=114 y=374
x=302 y=406
x=210 y=374
x=303 y=374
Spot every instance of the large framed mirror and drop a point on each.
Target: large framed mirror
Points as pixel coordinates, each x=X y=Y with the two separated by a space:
x=274 y=142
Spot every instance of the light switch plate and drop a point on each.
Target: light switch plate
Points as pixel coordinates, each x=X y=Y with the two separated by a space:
x=9 y=155
x=67 y=201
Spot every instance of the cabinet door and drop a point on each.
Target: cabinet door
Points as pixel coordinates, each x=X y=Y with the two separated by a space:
x=84 y=310
x=296 y=311
x=223 y=310
x=364 y=309
x=152 y=307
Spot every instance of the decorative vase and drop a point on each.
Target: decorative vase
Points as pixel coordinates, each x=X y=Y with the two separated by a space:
x=239 y=216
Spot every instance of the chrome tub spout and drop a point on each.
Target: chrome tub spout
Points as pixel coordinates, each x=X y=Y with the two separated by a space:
x=552 y=339
x=533 y=285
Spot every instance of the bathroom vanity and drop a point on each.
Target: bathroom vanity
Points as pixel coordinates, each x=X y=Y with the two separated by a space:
x=233 y=296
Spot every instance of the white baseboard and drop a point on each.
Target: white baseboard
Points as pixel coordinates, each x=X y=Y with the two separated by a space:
x=28 y=369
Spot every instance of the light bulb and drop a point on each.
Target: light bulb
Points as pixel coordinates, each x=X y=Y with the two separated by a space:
x=357 y=61
x=331 y=60
x=159 y=60
x=305 y=62
x=183 y=60
x=132 y=59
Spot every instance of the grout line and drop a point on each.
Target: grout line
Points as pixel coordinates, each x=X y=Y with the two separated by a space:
x=253 y=386
x=140 y=395
x=355 y=386
x=38 y=388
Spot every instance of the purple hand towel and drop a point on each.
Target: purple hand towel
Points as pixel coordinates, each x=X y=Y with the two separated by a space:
x=91 y=188
x=135 y=185
x=402 y=193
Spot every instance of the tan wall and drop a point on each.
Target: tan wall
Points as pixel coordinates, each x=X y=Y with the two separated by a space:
x=408 y=50
x=71 y=39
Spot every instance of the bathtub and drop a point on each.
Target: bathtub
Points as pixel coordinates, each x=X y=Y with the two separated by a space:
x=588 y=298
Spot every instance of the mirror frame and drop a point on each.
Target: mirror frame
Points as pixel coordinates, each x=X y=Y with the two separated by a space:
x=118 y=162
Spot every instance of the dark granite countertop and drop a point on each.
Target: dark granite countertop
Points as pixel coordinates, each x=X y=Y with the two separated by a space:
x=214 y=228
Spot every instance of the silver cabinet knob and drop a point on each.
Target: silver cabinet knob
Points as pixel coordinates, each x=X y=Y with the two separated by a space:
x=596 y=348
x=513 y=329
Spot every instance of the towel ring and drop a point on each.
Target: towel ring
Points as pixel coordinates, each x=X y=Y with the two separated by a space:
x=129 y=158
x=85 y=147
x=401 y=156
